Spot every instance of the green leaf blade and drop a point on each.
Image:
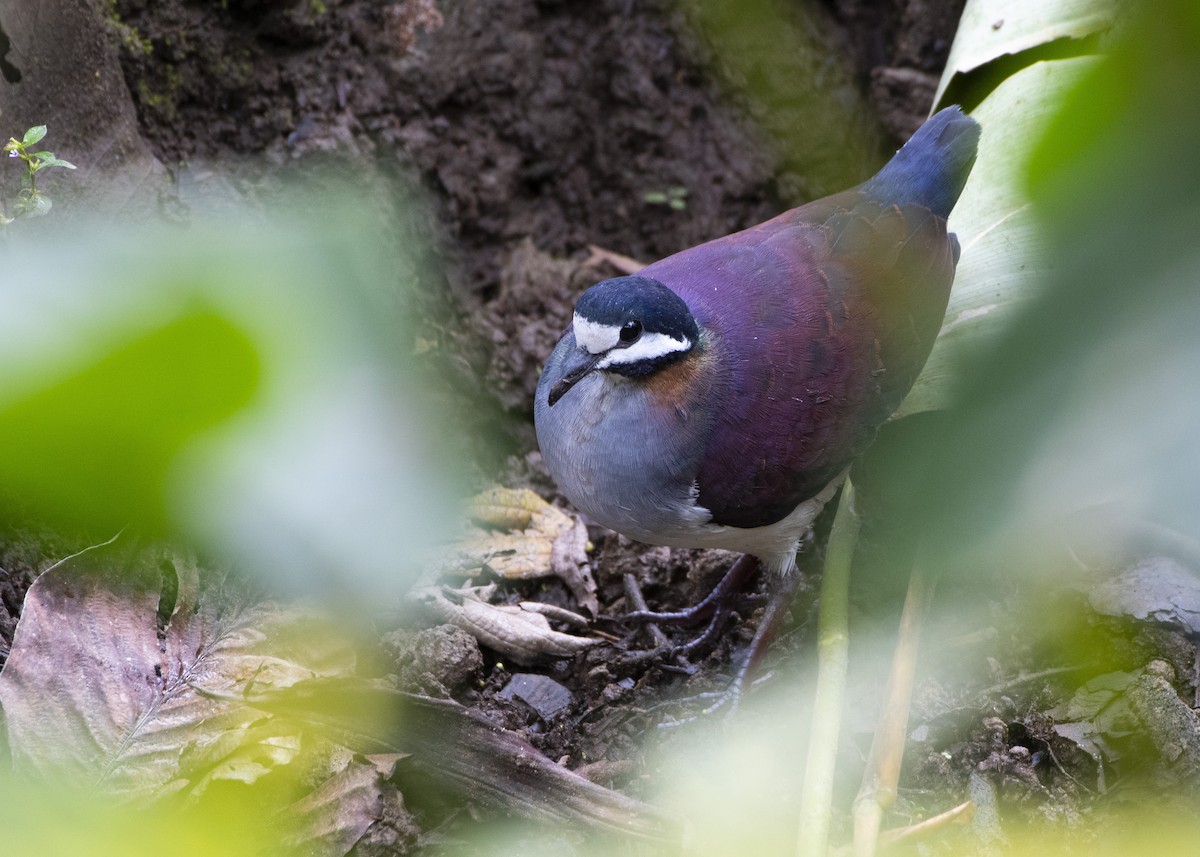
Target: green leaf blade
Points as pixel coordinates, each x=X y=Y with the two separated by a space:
x=1006 y=254
x=992 y=29
x=34 y=135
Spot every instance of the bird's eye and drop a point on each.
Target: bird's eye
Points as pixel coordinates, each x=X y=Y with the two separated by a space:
x=631 y=331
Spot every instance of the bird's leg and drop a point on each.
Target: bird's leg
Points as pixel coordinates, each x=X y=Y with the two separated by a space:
x=773 y=617
x=633 y=595
x=775 y=614
x=734 y=581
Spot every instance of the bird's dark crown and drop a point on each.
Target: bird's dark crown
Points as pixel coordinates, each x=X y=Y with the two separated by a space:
x=621 y=300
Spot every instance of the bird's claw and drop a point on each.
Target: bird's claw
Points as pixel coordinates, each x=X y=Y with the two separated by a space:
x=730 y=696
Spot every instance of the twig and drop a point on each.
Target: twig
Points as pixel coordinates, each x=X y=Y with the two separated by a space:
x=633 y=594
x=81 y=552
x=1025 y=678
x=887 y=748
x=958 y=815
x=624 y=264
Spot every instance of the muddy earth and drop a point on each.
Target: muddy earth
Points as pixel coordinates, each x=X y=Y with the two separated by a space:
x=541 y=130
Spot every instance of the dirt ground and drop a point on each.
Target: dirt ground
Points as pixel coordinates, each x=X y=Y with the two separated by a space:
x=538 y=128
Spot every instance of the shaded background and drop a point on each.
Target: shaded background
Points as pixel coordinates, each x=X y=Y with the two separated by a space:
x=536 y=129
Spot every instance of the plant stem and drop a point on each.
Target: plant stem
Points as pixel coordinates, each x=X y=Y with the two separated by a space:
x=833 y=640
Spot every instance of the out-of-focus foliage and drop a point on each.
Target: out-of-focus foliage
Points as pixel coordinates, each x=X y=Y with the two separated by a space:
x=54 y=821
x=1090 y=395
x=94 y=442
x=1007 y=255
x=246 y=382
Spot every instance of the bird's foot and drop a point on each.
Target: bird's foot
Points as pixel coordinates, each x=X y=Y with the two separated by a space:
x=710 y=632
x=747 y=674
x=713 y=604
x=664 y=650
x=725 y=701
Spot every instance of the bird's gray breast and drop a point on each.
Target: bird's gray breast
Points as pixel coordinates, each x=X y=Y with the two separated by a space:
x=625 y=451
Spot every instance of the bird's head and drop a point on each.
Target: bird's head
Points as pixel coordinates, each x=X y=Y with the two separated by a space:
x=631 y=326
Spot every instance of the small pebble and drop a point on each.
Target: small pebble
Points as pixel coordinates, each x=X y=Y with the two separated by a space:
x=541 y=693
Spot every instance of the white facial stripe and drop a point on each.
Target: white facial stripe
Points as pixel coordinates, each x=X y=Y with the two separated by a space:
x=650 y=346
x=592 y=337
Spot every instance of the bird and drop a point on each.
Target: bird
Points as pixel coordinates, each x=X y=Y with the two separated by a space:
x=717 y=397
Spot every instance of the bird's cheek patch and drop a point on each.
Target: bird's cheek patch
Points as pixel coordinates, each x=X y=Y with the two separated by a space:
x=650 y=347
x=592 y=337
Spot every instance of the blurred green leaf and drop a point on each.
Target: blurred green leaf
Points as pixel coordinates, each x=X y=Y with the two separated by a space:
x=94 y=445
x=61 y=821
x=1090 y=395
x=249 y=384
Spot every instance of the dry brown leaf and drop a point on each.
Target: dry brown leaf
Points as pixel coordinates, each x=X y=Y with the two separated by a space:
x=542 y=541
x=343 y=809
x=94 y=692
x=520 y=632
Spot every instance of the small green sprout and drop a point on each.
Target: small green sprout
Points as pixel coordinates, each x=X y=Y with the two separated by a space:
x=675 y=198
x=31 y=202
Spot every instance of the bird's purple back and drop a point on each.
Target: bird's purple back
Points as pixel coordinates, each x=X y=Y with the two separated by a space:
x=845 y=297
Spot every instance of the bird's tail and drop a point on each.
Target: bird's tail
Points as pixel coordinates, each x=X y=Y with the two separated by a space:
x=932 y=167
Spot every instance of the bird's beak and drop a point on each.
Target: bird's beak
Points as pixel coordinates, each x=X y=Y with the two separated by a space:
x=576 y=366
